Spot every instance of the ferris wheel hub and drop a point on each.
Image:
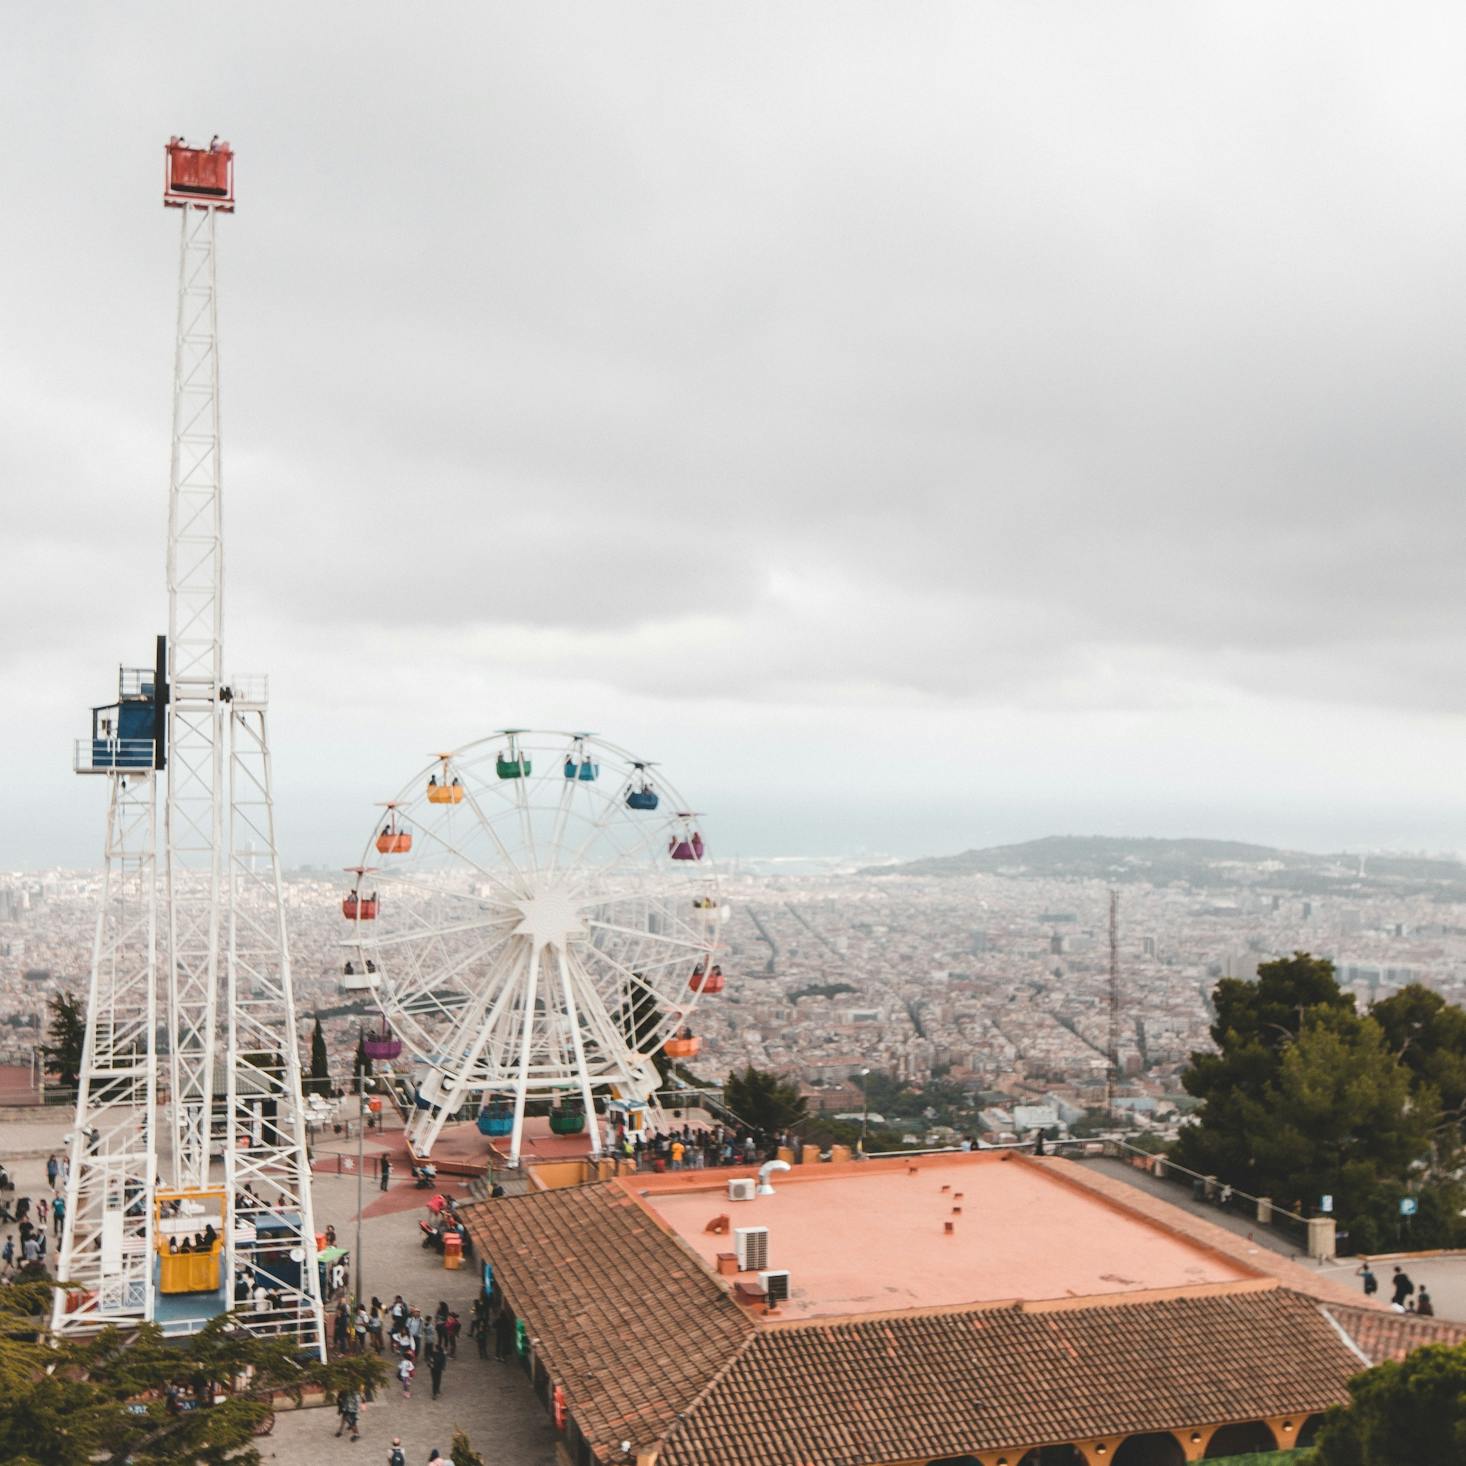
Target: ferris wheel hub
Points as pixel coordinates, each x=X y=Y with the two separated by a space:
x=550 y=916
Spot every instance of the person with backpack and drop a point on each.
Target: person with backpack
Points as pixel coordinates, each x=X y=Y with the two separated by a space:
x=396 y=1456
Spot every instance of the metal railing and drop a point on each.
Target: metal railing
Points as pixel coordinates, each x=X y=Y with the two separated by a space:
x=113 y=756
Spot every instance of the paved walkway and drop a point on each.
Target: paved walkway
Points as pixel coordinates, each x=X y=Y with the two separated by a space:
x=492 y=1402
x=1178 y=1196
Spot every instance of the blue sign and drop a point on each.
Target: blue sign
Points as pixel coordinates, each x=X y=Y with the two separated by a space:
x=1407 y=1206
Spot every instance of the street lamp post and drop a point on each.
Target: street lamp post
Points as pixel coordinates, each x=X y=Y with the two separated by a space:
x=363 y=1084
x=864 y=1106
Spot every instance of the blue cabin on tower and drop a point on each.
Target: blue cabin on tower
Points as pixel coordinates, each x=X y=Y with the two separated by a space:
x=132 y=732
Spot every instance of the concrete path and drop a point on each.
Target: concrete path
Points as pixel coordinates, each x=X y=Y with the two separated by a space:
x=1178 y=1196
x=492 y=1402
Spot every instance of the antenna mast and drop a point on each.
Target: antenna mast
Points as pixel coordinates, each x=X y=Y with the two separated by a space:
x=1112 y=1049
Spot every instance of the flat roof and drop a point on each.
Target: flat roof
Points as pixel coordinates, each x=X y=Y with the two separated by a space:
x=870 y=1237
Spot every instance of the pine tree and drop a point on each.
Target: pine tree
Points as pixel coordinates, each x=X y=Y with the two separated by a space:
x=68 y=1038
x=76 y=1402
x=319 y=1081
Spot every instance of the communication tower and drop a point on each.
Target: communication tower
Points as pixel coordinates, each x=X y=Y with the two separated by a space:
x=232 y=1089
x=1112 y=1049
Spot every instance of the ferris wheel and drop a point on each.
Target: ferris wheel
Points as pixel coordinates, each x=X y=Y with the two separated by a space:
x=536 y=916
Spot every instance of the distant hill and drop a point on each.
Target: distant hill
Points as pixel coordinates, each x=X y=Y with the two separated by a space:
x=1194 y=863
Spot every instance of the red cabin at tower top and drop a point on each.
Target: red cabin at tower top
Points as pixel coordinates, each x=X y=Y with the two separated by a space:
x=198 y=177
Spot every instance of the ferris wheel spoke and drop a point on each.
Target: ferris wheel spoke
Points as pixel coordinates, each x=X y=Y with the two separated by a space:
x=615 y=804
x=398 y=939
x=400 y=881
x=631 y=931
x=415 y=986
x=456 y=851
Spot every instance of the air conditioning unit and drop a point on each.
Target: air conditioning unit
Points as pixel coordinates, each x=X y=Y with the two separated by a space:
x=752 y=1246
x=742 y=1189
x=776 y=1285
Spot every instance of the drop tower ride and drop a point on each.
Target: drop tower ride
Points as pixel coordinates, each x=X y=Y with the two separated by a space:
x=189 y=1119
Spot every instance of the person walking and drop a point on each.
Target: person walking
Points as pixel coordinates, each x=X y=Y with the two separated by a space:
x=58 y=1212
x=374 y=1324
x=386 y=1170
x=1402 y=1287
x=396 y=1456
x=1371 y=1282
x=436 y=1362
x=348 y=1407
x=405 y=1371
x=53 y=1167
x=451 y=1326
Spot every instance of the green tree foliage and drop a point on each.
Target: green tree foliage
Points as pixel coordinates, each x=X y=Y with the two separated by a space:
x=319 y=1079
x=462 y=1453
x=1428 y=1036
x=104 y=1399
x=68 y=1037
x=1306 y=1098
x=641 y=1021
x=361 y=1066
x=764 y=1101
x=822 y=990
x=1410 y=1412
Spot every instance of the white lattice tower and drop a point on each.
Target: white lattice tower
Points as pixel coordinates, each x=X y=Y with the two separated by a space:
x=107 y=1241
x=265 y=1149
x=194 y=817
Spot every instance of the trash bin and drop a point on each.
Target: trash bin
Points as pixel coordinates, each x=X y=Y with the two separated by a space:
x=452 y=1250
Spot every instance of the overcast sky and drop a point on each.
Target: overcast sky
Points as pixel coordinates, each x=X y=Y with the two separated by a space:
x=918 y=426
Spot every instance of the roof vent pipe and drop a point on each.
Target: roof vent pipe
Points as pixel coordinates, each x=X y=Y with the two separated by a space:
x=765 y=1187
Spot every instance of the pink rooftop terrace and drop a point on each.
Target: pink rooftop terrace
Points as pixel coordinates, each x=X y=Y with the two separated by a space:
x=869 y=1237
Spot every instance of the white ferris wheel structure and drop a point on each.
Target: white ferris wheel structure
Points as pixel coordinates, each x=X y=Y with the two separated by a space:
x=537 y=916
x=189 y=1121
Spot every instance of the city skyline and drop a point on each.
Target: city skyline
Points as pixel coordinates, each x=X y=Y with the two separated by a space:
x=940 y=438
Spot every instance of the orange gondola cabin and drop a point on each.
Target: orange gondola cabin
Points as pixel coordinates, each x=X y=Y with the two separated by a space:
x=198 y=177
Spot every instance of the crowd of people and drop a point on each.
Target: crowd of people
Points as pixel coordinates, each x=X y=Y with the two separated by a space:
x=35 y=1219
x=691 y=1148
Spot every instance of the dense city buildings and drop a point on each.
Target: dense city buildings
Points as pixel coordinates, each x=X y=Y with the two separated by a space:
x=996 y=982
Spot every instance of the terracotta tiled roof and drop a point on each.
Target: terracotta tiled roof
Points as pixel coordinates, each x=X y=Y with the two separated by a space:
x=627 y=1322
x=1393 y=1335
x=941 y=1384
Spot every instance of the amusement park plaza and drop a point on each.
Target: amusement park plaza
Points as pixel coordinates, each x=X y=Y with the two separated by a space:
x=465 y=1100
x=992 y=1307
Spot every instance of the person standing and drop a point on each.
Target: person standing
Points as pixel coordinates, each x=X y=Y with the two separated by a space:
x=396 y=1456
x=436 y=1362
x=1425 y=1306
x=58 y=1212
x=451 y=1326
x=53 y=1166
x=386 y=1170
x=1371 y=1282
x=405 y=1372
